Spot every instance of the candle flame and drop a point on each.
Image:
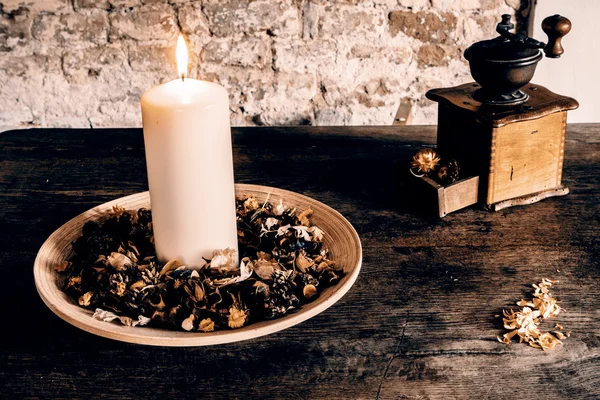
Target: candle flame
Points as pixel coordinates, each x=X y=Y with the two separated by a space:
x=182 y=57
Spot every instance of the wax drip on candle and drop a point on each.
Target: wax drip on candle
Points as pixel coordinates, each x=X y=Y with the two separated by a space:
x=182 y=57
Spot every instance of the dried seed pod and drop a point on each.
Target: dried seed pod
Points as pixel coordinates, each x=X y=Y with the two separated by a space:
x=453 y=170
x=150 y=276
x=198 y=292
x=309 y=291
x=443 y=174
x=426 y=160
x=173 y=313
x=160 y=305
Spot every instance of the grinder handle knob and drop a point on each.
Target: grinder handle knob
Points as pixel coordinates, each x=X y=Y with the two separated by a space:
x=556 y=27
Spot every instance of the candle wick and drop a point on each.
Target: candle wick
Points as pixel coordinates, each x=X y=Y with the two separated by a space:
x=182 y=77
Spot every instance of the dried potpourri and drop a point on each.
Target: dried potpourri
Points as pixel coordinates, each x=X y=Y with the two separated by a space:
x=114 y=271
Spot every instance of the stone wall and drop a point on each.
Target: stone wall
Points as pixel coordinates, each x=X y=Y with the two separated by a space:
x=85 y=63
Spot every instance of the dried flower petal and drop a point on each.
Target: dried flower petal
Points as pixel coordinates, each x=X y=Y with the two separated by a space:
x=206 y=325
x=327 y=265
x=302 y=232
x=317 y=233
x=143 y=320
x=108 y=316
x=304 y=215
x=264 y=267
x=250 y=204
x=559 y=335
x=119 y=261
x=283 y=230
x=279 y=209
x=170 y=266
x=271 y=222
x=138 y=285
x=62 y=267
x=224 y=259
x=73 y=281
x=198 y=292
x=120 y=288
x=525 y=322
x=237 y=317
x=116 y=211
x=104 y=315
x=159 y=316
x=86 y=299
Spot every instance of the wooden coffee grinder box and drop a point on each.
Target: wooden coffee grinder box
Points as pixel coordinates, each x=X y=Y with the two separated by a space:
x=511 y=132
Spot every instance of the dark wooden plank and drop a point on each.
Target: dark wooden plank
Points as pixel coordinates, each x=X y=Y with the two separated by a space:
x=419 y=323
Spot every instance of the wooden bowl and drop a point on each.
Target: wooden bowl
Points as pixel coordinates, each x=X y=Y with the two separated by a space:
x=340 y=238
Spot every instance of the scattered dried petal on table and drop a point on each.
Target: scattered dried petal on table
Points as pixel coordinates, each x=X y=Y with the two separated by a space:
x=525 y=322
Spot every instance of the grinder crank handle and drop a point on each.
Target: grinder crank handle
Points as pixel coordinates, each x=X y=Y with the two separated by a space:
x=556 y=27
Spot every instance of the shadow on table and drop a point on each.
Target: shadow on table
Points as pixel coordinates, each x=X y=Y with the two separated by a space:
x=382 y=183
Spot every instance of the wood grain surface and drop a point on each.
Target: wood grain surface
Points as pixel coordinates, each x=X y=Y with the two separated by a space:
x=419 y=322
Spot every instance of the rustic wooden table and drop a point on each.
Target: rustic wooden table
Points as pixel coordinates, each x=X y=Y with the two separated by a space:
x=418 y=323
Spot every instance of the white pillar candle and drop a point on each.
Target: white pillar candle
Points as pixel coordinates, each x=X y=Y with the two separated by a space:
x=190 y=167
